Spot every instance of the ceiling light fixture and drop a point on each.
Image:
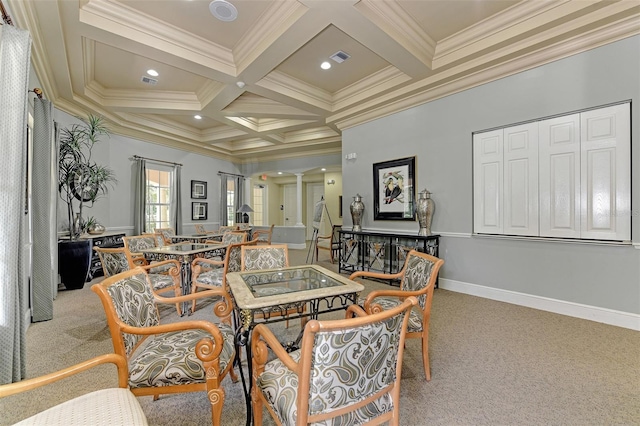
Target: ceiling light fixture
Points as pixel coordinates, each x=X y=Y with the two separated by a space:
x=197 y=117
x=240 y=84
x=223 y=10
x=325 y=65
x=323 y=169
x=153 y=73
x=279 y=173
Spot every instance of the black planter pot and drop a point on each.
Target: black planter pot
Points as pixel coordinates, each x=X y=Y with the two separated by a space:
x=74 y=259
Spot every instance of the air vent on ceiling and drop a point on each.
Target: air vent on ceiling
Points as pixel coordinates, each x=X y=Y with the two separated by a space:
x=149 y=80
x=340 y=56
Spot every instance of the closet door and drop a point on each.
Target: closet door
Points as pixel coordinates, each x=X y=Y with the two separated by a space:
x=606 y=173
x=521 y=180
x=487 y=182
x=559 y=148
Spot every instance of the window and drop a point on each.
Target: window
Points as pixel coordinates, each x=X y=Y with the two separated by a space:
x=259 y=208
x=231 y=195
x=158 y=205
x=563 y=177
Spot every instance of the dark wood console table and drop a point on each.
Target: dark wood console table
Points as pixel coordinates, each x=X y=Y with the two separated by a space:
x=105 y=240
x=383 y=252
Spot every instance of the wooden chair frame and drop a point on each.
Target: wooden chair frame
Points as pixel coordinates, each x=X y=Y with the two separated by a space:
x=208 y=349
x=263 y=339
x=111 y=250
x=427 y=291
x=334 y=242
x=269 y=234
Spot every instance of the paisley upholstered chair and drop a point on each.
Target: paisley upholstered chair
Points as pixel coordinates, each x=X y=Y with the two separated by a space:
x=158 y=237
x=164 y=276
x=113 y=260
x=186 y=356
x=259 y=257
x=263 y=235
x=167 y=233
x=135 y=244
x=210 y=273
x=346 y=372
x=104 y=407
x=234 y=237
x=417 y=278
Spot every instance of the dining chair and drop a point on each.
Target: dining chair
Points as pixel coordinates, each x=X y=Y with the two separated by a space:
x=259 y=257
x=346 y=372
x=417 y=278
x=167 y=233
x=210 y=273
x=105 y=407
x=330 y=242
x=227 y=228
x=185 y=356
x=158 y=237
x=164 y=276
x=264 y=235
x=135 y=244
x=233 y=237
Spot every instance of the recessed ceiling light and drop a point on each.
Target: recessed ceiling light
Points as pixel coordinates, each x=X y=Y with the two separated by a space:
x=197 y=117
x=223 y=10
x=325 y=65
x=279 y=173
x=323 y=169
x=152 y=73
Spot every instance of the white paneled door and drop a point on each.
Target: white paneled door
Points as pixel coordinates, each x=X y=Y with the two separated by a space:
x=560 y=177
x=605 y=173
x=487 y=178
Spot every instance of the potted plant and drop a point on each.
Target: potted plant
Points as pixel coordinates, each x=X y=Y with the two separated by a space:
x=81 y=181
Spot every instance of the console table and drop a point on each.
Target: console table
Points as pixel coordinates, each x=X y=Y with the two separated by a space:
x=383 y=252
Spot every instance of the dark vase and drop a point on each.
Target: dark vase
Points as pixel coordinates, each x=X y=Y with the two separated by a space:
x=74 y=259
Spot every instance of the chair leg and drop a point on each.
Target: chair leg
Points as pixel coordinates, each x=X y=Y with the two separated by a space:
x=425 y=357
x=216 y=398
x=194 y=288
x=256 y=407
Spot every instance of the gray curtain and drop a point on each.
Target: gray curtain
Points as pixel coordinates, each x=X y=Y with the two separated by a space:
x=15 y=48
x=238 y=200
x=176 y=202
x=223 y=199
x=44 y=178
x=140 y=196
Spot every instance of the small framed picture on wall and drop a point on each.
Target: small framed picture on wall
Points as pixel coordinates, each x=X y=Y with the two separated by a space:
x=198 y=211
x=198 y=189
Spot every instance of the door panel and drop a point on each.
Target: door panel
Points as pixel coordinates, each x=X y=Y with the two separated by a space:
x=290 y=196
x=487 y=190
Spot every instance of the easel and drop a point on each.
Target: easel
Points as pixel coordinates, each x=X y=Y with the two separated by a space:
x=318 y=218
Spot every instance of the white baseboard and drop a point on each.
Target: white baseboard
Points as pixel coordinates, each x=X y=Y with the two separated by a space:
x=293 y=245
x=577 y=310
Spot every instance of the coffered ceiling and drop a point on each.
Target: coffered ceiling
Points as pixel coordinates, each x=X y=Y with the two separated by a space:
x=91 y=55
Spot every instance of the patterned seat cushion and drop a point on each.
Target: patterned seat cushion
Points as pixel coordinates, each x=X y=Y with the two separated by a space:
x=415 y=319
x=170 y=358
x=161 y=281
x=212 y=277
x=278 y=384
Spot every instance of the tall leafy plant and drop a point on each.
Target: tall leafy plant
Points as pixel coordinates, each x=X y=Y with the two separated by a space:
x=81 y=181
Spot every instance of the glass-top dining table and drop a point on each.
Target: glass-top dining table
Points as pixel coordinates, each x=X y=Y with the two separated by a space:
x=272 y=295
x=185 y=253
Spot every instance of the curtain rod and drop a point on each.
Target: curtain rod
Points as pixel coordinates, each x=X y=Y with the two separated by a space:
x=5 y=16
x=230 y=174
x=137 y=157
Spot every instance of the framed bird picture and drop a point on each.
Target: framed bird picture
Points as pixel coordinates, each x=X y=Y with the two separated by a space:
x=393 y=189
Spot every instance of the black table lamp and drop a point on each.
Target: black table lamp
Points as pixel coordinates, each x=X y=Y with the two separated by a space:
x=245 y=209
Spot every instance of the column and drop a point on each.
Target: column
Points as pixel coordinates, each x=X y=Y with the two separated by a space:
x=299 y=199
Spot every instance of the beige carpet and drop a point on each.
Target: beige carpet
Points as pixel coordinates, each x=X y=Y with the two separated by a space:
x=492 y=364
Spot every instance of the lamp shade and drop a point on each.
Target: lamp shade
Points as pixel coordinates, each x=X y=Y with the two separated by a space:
x=245 y=209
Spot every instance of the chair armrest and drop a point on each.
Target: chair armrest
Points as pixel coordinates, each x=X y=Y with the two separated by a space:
x=213 y=262
x=36 y=382
x=221 y=309
x=262 y=331
x=355 y=311
x=401 y=294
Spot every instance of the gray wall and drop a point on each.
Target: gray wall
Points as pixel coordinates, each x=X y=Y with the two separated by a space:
x=439 y=134
x=115 y=211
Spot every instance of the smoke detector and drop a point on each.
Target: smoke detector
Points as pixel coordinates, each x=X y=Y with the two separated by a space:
x=149 y=80
x=223 y=10
x=340 y=56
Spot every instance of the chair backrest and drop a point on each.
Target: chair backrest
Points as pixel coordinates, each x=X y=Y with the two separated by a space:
x=258 y=257
x=113 y=260
x=234 y=255
x=368 y=347
x=226 y=228
x=335 y=236
x=200 y=229
x=158 y=237
x=127 y=299
x=167 y=233
x=234 y=237
x=264 y=235
x=419 y=273
x=136 y=243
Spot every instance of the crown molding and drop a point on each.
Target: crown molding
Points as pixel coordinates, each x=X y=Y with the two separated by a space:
x=286 y=85
x=382 y=81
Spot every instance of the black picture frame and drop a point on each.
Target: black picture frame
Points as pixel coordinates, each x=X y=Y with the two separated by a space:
x=198 y=190
x=199 y=210
x=394 y=189
x=339 y=205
